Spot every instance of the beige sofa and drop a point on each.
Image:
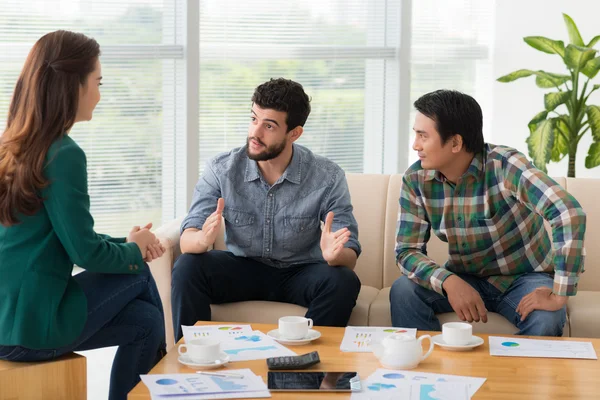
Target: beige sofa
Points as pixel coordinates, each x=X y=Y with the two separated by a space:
x=375 y=200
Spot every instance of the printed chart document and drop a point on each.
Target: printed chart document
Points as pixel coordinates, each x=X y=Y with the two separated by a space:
x=355 y=337
x=516 y=347
x=417 y=391
x=191 y=386
x=253 y=345
x=214 y=331
x=398 y=384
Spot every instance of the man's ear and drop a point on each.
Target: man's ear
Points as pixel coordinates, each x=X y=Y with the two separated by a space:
x=457 y=143
x=296 y=133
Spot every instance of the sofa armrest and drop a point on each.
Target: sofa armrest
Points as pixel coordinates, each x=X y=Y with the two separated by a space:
x=161 y=269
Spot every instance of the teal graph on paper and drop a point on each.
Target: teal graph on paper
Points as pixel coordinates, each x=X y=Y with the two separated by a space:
x=253 y=338
x=228 y=385
x=263 y=348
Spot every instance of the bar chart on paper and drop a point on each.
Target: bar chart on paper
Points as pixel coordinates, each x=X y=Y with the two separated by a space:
x=517 y=347
x=357 y=338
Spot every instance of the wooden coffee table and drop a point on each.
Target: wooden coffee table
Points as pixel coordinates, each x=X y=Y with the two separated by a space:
x=507 y=377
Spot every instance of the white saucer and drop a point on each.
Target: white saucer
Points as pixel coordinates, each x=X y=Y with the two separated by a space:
x=223 y=359
x=312 y=335
x=474 y=342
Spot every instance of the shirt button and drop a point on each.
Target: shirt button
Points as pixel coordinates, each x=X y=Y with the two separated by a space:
x=268 y=221
x=267 y=250
x=270 y=194
x=236 y=221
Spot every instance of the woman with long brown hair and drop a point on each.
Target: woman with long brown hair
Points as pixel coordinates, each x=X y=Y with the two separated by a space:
x=46 y=227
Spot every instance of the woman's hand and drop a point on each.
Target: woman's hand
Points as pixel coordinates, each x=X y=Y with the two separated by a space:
x=149 y=245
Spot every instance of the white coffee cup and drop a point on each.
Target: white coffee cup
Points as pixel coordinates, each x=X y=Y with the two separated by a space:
x=457 y=333
x=294 y=327
x=204 y=350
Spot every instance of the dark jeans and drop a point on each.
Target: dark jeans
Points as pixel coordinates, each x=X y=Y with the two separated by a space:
x=413 y=306
x=217 y=277
x=124 y=311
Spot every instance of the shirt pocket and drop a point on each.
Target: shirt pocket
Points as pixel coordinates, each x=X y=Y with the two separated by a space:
x=239 y=227
x=301 y=233
x=493 y=229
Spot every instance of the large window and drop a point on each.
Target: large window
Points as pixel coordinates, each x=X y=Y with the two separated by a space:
x=344 y=53
x=179 y=75
x=135 y=118
x=451 y=44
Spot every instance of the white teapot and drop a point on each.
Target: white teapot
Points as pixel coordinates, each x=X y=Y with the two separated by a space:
x=401 y=351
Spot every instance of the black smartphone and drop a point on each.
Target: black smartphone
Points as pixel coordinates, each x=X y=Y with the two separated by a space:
x=313 y=381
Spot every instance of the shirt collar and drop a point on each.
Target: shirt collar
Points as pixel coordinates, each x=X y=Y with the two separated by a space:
x=292 y=173
x=475 y=169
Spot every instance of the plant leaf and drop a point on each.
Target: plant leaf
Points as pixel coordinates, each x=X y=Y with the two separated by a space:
x=540 y=144
x=593 y=42
x=546 y=45
x=593 y=114
x=549 y=80
x=561 y=145
x=574 y=35
x=513 y=76
x=591 y=67
x=539 y=117
x=593 y=158
x=576 y=57
x=555 y=99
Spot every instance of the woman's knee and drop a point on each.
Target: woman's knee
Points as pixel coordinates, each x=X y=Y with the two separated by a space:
x=147 y=317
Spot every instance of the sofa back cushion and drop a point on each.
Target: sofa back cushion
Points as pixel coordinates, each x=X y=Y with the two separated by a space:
x=368 y=193
x=587 y=192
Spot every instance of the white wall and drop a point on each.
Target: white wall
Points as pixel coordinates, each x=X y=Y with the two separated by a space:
x=515 y=103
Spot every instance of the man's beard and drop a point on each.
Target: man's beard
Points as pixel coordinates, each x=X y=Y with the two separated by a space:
x=269 y=153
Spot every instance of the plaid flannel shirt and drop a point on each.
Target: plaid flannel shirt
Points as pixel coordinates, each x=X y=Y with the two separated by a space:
x=492 y=220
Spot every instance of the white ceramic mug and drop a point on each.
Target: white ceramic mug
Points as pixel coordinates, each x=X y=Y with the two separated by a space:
x=204 y=350
x=457 y=333
x=294 y=328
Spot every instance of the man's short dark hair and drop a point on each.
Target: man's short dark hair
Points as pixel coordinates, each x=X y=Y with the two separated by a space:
x=454 y=113
x=284 y=95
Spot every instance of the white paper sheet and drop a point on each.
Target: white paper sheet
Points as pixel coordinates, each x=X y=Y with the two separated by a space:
x=254 y=345
x=355 y=337
x=237 y=395
x=517 y=347
x=167 y=385
x=383 y=380
x=220 y=331
x=416 y=391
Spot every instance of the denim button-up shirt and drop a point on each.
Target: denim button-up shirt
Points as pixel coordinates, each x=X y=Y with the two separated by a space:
x=279 y=225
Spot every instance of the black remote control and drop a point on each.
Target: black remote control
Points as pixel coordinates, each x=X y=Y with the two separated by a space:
x=294 y=362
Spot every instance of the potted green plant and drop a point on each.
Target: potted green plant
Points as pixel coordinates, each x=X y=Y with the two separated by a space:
x=555 y=132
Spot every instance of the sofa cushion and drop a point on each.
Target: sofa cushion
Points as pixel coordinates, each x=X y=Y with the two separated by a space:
x=268 y=312
x=587 y=193
x=584 y=315
x=497 y=324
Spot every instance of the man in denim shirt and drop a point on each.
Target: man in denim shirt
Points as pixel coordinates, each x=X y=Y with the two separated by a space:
x=273 y=195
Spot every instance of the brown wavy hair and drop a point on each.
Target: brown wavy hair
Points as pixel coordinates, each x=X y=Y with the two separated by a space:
x=43 y=108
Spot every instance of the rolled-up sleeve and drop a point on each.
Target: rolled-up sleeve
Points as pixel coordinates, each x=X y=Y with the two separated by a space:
x=204 y=201
x=340 y=203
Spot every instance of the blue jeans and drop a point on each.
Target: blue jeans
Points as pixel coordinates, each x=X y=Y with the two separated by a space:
x=217 y=277
x=413 y=306
x=124 y=311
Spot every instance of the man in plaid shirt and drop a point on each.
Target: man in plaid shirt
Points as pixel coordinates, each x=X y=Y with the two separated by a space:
x=488 y=203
